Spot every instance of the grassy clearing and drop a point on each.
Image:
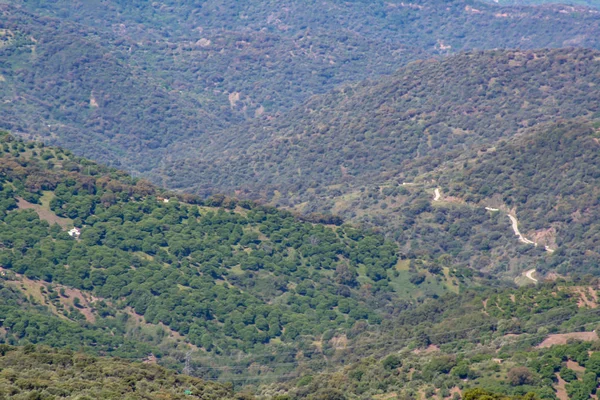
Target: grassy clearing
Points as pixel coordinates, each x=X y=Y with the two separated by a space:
x=44 y=211
x=402 y=265
x=237 y=270
x=451 y=283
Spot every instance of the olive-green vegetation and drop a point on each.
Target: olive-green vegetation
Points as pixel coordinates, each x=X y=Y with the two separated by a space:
x=24 y=320
x=409 y=123
x=551 y=178
x=547 y=177
x=239 y=292
x=36 y=372
x=227 y=276
x=65 y=83
x=215 y=96
x=374 y=153
x=479 y=394
x=478 y=342
x=121 y=81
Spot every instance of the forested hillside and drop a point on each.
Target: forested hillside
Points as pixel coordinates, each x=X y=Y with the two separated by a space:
x=546 y=178
x=32 y=372
x=397 y=127
x=224 y=276
x=507 y=342
x=550 y=178
x=120 y=81
x=372 y=19
x=375 y=152
x=590 y=3
x=232 y=291
x=64 y=83
x=436 y=166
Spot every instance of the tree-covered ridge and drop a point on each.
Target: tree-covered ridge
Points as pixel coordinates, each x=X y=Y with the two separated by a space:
x=376 y=20
x=546 y=177
x=589 y=3
x=550 y=180
x=234 y=277
x=275 y=54
x=377 y=180
x=398 y=127
x=121 y=81
x=229 y=277
x=64 y=83
x=39 y=372
x=480 y=341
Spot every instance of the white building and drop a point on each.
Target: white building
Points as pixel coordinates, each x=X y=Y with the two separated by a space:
x=75 y=232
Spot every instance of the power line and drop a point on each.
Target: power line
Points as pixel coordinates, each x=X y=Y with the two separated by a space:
x=405 y=341
x=270 y=377
x=252 y=356
x=187 y=369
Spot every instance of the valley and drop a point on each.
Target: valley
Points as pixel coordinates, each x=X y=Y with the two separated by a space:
x=356 y=309
x=320 y=200
x=137 y=82
x=376 y=186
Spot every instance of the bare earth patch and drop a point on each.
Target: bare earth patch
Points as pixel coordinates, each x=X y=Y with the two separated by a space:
x=339 y=342
x=562 y=338
x=84 y=302
x=561 y=392
x=453 y=391
x=587 y=297
x=432 y=348
x=151 y=359
x=33 y=288
x=574 y=365
x=44 y=213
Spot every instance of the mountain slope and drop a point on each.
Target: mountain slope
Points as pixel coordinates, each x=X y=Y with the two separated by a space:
x=65 y=84
x=543 y=182
x=508 y=341
x=238 y=292
x=589 y=3
x=121 y=81
x=397 y=126
x=216 y=276
x=550 y=179
x=38 y=372
x=377 y=152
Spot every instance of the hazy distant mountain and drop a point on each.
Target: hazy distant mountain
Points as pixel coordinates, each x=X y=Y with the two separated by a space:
x=398 y=126
x=121 y=81
x=589 y=3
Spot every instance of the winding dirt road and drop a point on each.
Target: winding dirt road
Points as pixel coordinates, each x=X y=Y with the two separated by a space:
x=529 y=275
x=514 y=223
x=515 y=226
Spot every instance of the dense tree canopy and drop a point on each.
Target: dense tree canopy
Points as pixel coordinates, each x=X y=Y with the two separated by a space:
x=122 y=81
x=38 y=372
